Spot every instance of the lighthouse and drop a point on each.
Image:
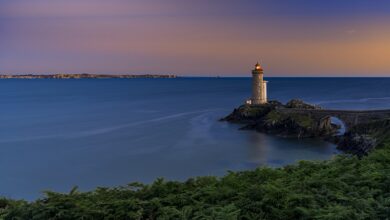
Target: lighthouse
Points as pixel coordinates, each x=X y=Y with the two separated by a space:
x=259 y=87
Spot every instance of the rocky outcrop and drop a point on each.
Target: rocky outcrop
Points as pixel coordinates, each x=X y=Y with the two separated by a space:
x=269 y=118
x=250 y=114
x=364 y=138
x=299 y=104
x=301 y=120
x=357 y=144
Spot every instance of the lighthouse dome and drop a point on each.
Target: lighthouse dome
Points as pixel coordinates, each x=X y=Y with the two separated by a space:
x=258 y=67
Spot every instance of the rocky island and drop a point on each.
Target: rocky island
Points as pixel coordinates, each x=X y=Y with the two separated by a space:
x=302 y=120
x=272 y=118
x=85 y=76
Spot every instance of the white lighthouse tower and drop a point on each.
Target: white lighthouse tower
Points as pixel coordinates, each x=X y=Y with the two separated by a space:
x=259 y=87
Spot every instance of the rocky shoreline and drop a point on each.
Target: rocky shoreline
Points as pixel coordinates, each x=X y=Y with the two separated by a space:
x=280 y=119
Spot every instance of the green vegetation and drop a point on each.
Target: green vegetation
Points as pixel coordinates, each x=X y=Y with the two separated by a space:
x=303 y=121
x=255 y=111
x=342 y=188
x=274 y=117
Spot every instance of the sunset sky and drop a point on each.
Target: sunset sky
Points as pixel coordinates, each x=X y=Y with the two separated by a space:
x=197 y=37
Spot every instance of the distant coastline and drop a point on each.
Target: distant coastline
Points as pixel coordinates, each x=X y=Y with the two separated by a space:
x=85 y=76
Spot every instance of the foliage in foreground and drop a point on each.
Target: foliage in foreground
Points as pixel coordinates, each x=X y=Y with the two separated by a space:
x=342 y=188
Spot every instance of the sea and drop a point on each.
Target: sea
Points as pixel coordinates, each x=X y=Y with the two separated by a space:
x=56 y=134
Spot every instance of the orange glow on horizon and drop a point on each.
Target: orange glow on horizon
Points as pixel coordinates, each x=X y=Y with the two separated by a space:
x=123 y=37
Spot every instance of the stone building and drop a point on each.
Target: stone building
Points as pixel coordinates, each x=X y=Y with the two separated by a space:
x=259 y=87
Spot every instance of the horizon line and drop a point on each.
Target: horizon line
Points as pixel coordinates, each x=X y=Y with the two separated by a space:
x=193 y=76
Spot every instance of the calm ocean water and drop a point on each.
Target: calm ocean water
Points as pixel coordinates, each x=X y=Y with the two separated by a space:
x=55 y=134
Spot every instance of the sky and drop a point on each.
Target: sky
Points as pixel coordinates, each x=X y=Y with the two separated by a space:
x=196 y=37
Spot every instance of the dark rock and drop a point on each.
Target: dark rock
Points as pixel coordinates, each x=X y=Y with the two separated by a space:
x=296 y=103
x=361 y=139
x=269 y=118
x=251 y=113
x=357 y=144
x=296 y=119
x=325 y=123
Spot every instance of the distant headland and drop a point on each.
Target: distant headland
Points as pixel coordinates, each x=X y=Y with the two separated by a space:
x=84 y=76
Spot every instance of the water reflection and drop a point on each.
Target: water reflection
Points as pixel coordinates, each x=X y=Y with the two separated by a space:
x=258 y=150
x=276 y=151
